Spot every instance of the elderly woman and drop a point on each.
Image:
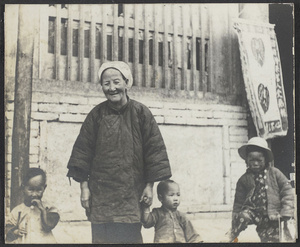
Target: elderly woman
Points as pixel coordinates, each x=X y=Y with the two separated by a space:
x=117 y=157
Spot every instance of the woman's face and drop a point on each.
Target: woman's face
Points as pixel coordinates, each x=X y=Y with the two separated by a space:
x=114 y=87
x=256 y=161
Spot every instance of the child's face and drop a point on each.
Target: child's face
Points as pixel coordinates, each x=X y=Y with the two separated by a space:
x=171 y=199
x=256 y=161
x=34 y=189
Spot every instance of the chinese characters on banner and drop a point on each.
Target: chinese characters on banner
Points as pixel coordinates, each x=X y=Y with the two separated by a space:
x=262 y=77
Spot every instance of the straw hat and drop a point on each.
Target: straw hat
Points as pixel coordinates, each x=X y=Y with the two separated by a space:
x=258 y=142
x=118 y=65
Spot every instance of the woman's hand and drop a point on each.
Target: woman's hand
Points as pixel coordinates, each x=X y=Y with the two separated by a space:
x=147 y=195
x=85 y=196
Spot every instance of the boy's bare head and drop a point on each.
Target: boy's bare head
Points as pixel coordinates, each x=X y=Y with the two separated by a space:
x=33 y=172
x=163 y=186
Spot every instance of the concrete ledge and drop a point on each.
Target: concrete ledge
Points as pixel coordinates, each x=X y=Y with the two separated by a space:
x=240 y=139
x=78 y=118
x=44 y=116
x=238 y=131
x=88 y=89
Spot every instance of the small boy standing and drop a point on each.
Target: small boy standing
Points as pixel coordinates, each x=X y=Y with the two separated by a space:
x=32 y=221
x=263 y=197
x=171 y=226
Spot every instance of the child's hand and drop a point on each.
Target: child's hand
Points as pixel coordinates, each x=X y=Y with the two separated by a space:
x=285 y=218
x=38 y=203
x=274 y=217
x=20 y=232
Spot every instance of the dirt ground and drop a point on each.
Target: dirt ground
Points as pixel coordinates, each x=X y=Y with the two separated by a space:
x=210 y=229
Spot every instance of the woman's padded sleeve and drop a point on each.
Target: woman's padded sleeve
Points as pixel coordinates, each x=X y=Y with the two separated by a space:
x=83 y=150
x=156 y=160
x=77 y=174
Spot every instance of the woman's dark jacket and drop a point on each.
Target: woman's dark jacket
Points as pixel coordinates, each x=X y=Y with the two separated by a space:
x=118 y=152
x=280 y=194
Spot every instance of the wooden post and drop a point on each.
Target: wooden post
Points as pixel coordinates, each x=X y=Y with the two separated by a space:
x=92 y=47
x=193 y=84
x=155 y=47
x=203 y=77
x=125 y=34
x=183 y=51
x=81 y=42
x=70 y=41
x=103 y=48
x=165 y=49
x=137 y=81
x=116 y=34
x=23 y=93
x=57 y=49
x=146 y=48
x=175 y=44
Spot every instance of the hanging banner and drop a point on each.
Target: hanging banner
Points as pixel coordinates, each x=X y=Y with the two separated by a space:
x=262 y=77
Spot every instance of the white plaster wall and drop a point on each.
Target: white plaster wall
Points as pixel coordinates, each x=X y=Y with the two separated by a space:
x=201 y=139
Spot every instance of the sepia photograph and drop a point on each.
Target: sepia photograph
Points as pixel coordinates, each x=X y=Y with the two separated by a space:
x=139 y=123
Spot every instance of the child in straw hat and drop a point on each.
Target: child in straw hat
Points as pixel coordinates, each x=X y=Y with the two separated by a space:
x=263 y=195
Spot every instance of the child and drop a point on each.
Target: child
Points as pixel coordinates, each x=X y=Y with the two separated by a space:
x=263 y=195
x=32 y=221
x=171 y=226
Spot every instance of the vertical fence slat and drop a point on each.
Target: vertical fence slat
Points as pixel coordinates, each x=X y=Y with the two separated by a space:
x=57 y=41
x=115 y=33
x=125 y=36
x=155 y=48
x=230 y=53
x=165 y=49
x=146 y=47
x=136 y=80
x=43 y=40
x=103 y=47
x=37 y=45
x=209 y=77
x=178 y=81
x=226 y=164
x=92 y=45
x=69 y=40
x=193 y=51
x=202 y=51
x=175 y=37
x=81 y=42
x=183 y=50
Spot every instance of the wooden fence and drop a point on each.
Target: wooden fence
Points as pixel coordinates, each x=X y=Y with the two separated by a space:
x=166 y=45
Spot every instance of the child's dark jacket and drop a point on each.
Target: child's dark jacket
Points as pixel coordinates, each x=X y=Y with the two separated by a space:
x=280 y=194
x=120 y=151
x=171 y=227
